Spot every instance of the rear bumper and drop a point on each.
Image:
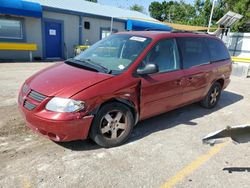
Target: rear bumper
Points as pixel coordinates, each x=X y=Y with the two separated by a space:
x=58 y=130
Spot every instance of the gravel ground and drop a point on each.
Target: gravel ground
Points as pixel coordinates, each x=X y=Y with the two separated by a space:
x=158 y=149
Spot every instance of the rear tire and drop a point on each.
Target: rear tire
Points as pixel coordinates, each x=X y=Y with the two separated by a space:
x=112 y=125
x=213 y=96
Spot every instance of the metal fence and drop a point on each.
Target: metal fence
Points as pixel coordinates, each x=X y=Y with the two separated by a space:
x=238 y=44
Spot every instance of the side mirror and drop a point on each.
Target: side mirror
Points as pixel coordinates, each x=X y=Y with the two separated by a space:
x=148 y=69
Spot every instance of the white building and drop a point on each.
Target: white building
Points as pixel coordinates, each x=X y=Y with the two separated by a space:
x=55 y=27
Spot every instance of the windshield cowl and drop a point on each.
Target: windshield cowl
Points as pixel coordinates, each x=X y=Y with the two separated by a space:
x=88 y=65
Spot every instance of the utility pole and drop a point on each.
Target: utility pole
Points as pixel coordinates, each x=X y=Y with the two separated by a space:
x=211 y=16
x=169 y=13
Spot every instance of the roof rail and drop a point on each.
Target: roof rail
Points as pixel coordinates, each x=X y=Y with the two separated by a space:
x=185 y=31
x=178 y=31
x=154 y=29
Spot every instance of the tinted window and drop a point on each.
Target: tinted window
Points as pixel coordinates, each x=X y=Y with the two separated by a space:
x=194 y=52
x=217 y=49
x=165 y=55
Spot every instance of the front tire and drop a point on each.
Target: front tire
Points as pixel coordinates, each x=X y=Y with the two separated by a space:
x=112 y=125
x=213 y=96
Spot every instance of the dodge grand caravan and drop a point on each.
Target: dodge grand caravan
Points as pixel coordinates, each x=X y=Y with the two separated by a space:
x=103 y=92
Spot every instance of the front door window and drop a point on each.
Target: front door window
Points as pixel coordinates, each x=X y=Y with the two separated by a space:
x=165 y=55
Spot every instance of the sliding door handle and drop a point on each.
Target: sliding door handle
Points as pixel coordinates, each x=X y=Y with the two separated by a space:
x=178 y=82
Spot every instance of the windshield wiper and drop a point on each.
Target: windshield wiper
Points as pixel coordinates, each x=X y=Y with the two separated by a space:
x=107 y=70
x=82 y=64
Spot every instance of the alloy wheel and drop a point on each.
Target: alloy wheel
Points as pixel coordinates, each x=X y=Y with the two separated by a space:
x=214 y=96
x=113 y=124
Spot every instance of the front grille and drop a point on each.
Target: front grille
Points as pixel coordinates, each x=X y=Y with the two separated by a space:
x=28 y=105
x=36 y=96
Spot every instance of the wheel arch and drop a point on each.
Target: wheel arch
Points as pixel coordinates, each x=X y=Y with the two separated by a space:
x=221 y=81
x=126 y=102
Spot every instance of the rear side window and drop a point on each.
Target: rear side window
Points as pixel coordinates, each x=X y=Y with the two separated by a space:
x=217 y=49
x=194 y=51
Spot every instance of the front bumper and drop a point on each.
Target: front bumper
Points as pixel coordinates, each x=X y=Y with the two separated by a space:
x=60 y=128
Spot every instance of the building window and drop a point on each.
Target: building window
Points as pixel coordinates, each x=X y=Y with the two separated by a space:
x=105 y=32
x=11 y=29
x=86 y=25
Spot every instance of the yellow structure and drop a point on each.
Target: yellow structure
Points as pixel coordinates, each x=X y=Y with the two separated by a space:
x=79 y=49
x=19 y=46
x=173 y=25
x=240 y=59
x=185 y=27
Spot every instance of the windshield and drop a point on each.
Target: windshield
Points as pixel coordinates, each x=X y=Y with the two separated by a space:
x=115 y=53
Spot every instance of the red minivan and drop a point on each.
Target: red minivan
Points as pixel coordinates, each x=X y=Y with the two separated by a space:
x=127 y=77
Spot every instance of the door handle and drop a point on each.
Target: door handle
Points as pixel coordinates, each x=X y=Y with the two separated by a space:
x=191 y=78
x=197 y=76
x=178 y=82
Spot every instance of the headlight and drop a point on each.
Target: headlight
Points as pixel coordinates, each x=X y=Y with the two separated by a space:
x=58 y=104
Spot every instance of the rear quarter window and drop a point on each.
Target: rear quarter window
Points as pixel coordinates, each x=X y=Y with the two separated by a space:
x=217 y=49
x=194 y=51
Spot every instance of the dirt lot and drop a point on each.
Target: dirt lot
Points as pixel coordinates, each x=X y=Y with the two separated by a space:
x=158 y=151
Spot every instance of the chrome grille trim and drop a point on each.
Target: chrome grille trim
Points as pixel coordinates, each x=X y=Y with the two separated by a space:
x=25 y=88
x=29 y=105
x=36 y=96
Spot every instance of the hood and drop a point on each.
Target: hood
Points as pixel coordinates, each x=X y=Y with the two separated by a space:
x=64 y=80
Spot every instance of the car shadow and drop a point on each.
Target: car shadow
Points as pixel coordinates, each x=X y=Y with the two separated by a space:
x=184 y=115
x=165 y=121
x=80 y=145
